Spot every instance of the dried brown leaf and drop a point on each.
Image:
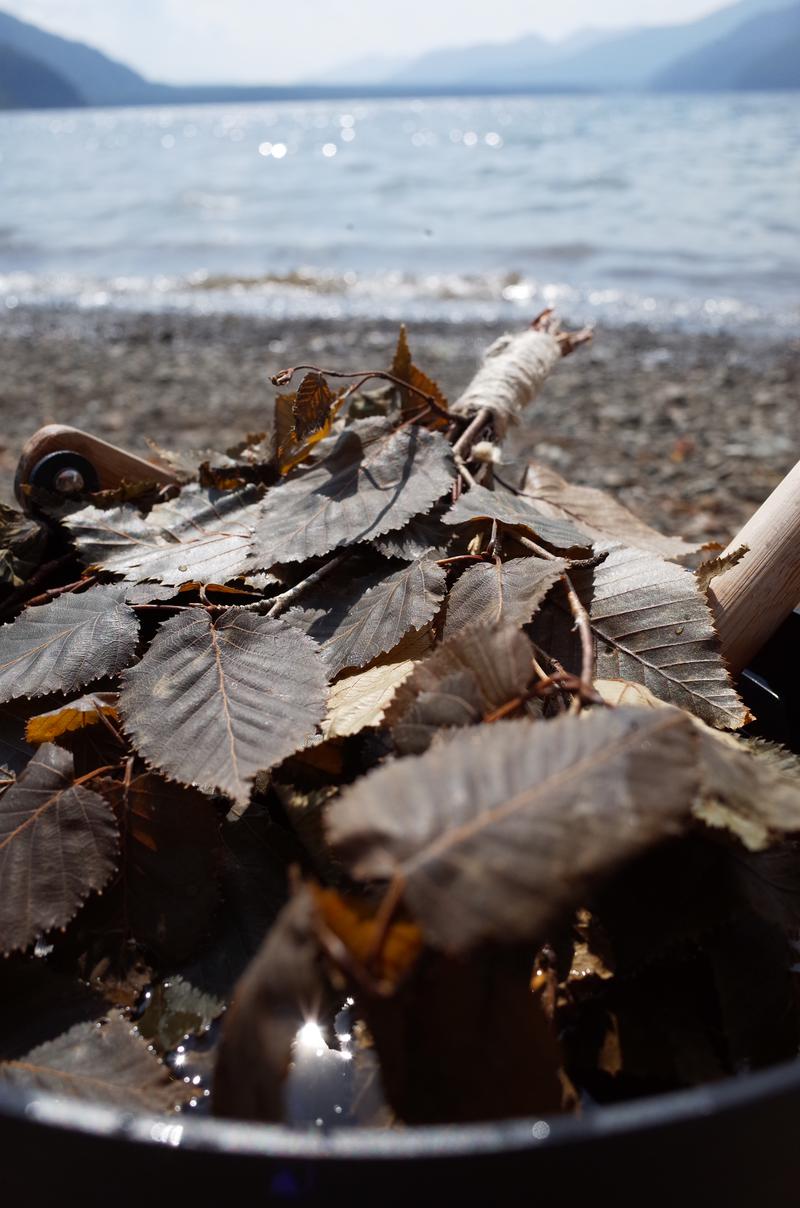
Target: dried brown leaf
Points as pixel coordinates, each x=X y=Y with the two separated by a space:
x=713 y=567
x=75 y=715
x=494 y=834
x=360 y=700
x=312 y=406
x=652 y=626
x=58 y=843
x=476 y=672
x=597 y=513
x=214 y=702
x=480 y=504
x=495 y=592
x=373 y=481
x=354 y=622
x=106 y=1062
x=61 y=646
x=202 y=535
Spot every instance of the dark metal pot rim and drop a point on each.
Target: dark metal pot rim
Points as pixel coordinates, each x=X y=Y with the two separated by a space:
x=732 y=1095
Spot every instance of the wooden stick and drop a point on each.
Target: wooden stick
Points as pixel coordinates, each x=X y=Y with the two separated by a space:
x=753 y=598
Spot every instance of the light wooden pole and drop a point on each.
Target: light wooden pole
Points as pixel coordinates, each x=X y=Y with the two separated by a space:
x=753 y=598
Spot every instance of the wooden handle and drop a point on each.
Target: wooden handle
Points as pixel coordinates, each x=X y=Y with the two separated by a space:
x=111 y=464
x=756 y=596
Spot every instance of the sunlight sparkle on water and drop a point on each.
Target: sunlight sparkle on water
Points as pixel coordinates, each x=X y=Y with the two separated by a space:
x=310 y=1036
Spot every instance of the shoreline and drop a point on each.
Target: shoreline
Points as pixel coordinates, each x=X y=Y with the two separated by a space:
x=691 y=429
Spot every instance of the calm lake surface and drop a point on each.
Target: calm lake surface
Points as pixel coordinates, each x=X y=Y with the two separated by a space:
x=663 y=208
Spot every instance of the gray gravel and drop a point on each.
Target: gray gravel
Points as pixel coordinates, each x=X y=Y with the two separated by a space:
x=692 y=430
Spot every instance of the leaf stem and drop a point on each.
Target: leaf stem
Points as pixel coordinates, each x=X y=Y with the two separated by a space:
x=284 y=377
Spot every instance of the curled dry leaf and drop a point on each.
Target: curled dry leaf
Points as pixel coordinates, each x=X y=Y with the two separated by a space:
x=214 y=702
x=747 y=790
x=106 y=1062
x=473 y=674
x=355 y=622
x=479 y=504
x=652 y=626
x=532 y=816
x=312 y=406
x=491 y=593
x=58 y=842
x=597 y=513
x=713 y=567
x=202 y=535
x=61 y=646
x=373 y=481
x=75 y=715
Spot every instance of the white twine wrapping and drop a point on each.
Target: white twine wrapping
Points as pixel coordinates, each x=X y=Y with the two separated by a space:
x=514 y=370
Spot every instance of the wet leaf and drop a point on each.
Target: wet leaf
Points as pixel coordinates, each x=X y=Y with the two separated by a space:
x=652 y=627
x=85 y=711
x=176 y=1009
x=474 y=673
x=58 y=843
x=212 y=703
x=354 y=622
x=479 y=504
x=491 y=593
x=530 y=818
x=61 y=646
x=285 y=986
x=597 y=513
x=201 y=535
x=168 y=886
x=373 y=481
x=106 y=1062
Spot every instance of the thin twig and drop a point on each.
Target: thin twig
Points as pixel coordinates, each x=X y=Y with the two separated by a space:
x=464 y=472
x=278 y=604
x=536 y=549
x=53 y=593
x=584 y=627
x=467 y=437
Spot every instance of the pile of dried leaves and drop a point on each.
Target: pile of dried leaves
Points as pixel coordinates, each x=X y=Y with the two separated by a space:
x=362 y=713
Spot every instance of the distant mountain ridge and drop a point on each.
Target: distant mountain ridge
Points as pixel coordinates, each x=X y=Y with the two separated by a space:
x=25 y=83
x=763 y=53
x=751 y=44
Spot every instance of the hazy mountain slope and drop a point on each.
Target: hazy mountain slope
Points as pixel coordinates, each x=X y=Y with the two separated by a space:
x=762 y=53
x=25 y=83
x=98 y=78
x=627 y=59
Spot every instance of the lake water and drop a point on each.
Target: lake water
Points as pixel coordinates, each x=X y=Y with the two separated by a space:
x=663 y=208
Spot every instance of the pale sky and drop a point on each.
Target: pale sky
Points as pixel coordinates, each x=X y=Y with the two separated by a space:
x=259 y=41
